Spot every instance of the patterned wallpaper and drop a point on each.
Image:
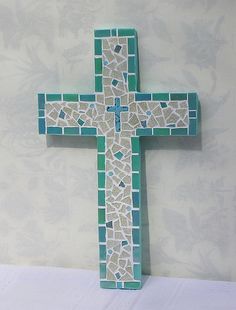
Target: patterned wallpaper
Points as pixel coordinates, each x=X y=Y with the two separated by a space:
x=48 y=187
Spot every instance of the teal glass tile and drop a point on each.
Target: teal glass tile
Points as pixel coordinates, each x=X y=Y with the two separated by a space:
x=98 y=47
x=178 y=96
x=126 y=32
x=87 y=98
x=101 y=162
x=137 y=272
x=98 y=84
x=41 y=113
x=70 y=97
x=80 y=122
x=101 y=179
x=113 y=32
x=161 y=131
x=136 y=235
x=192 y=101
x=71 y=131
x=192 y=126
x=102 y=252
x=119 y=285
x=102 y=270
x=179 y=132
x=160 y=96
x=137 y=255
x=53 y=97
x=101 y=216
x=192 y=113
x=131 y=64
x=98 y=65
x=54 y=130
x=135 y=162
x=131 y=46
x=119 y=155
x=132 y=82
x=135 y=181
x=86 y=131
x=41 y=126
x=132 y=285
x=101 y=197
x=102 y=33
x=143 y=97
x=136 y=199
x=144 y=132
x=101 y=144
x=136 y=217
x=107 y=284
x=41 y=101
x=102 y=234
x=135 y=144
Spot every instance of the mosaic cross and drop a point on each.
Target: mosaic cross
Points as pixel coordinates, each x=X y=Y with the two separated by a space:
x=118 y=114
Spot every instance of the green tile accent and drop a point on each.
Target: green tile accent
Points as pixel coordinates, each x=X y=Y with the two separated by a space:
x=137 y=255
x=131 y=46
x=144 y=132
x=53 y=97
x=90 y=98
x=179 y=131
x=71 y=131
x=98 y=65
x=102 y=33
x=102 y=270
x=136 y=235
x=98 y=84
x=71 y=97
x=126 y=32
x=98 y=46
x=101 y=198
x=41 y=101
x=135 y=181
x=101 y=179
x=131 y=82
x=135 y=162
x=86 y=131
x=135 y=144
x=160 y=96
x=131 y=64
x=80 y=122
x=101 y=162
x=54 y=130
x=192 y=101
x=178 y=96
x=102 y=252
x=161 y=131
x=137 y=272
x=107 y=284
x=101 y=216
x=101 y=144
x=192 y=126
x=41 y=113
x=132 y=285
x=113 y=32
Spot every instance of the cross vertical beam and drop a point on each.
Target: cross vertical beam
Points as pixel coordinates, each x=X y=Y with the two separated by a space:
x=135 y=114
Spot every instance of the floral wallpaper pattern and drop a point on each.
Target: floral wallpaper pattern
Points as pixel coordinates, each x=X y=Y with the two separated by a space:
x=48 y=187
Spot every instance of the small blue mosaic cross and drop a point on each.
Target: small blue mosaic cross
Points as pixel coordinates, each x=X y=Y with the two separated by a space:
x=135 y=114
x=117 y=109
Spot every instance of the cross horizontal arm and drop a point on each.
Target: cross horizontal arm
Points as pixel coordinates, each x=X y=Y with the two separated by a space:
x=165 y=114
x=70 y=114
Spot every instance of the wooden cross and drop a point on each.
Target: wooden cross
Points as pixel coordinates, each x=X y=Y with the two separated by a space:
x=135 y=114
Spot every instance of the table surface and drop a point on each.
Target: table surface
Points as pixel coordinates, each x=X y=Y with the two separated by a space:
x=50 y=288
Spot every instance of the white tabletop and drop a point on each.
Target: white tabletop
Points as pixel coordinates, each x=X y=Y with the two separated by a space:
x=49 y=288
